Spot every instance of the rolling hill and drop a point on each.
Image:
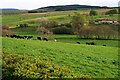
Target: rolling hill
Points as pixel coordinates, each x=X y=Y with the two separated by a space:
x=9 y=9
x=87 y=59
x=70 y=7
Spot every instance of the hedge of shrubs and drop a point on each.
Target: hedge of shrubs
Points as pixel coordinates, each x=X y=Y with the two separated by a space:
x=36 y=11
x=114 y=11
x=15 y=67
x=93 y=13
x=62 y=30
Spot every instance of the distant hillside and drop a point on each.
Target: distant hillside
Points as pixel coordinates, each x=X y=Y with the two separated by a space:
x=9 y=9
x=69 y=7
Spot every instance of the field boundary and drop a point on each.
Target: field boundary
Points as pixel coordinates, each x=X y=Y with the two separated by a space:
x=88 y=38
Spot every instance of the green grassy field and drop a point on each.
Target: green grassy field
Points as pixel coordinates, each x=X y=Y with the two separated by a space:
x=87 y=59
x=95 y=60
x=12 y=20
x=62 y=17
x=114 y=17
x=110 y=43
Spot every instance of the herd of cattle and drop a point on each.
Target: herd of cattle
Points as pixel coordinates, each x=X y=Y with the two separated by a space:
x=90 y=43
x=39 y=38
x=25 y=37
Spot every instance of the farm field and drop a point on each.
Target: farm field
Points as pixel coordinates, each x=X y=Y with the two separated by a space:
x=110 y=43
x=66 y=39
x=95 y=60
x=61 y=17
x=16 y=19
x=87 y=59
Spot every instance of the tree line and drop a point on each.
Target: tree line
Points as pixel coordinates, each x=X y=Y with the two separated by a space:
x=80 y=27
x=98 y=32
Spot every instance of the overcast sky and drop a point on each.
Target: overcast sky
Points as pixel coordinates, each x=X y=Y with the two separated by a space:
x=34 y=4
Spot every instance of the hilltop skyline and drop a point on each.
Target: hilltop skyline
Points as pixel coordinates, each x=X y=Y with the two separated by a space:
x=30 y=4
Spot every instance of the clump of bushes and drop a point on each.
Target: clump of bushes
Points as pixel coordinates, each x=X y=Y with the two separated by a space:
x=93 y=13
x=43 y=32
x=99 y=32
x=44 y=22
x=6 y=30
x=23 y=25
x=37 y=11
x=119 y=10
x=62 y=30
x=114 y=11
x=15 y=66
x=32 y=11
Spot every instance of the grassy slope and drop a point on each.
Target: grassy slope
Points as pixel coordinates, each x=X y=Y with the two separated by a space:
x=62 y=17
x=13 y=20
x=111 y=43
x=114 y=17
x=95 y=60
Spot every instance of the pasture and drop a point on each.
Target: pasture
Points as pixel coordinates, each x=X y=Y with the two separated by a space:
x=60 y=16
x=110 y=43
x=98 y=61
x=13 y=20
x=73 y=39
x=87 y=59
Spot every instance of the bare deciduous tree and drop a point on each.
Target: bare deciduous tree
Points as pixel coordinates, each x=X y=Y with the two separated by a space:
x=44 y=22
x=43 y=32
x=100 y=32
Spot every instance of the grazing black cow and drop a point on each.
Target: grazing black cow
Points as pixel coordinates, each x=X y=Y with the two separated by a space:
x=90 y=43
x=30 y=37
x=17 y=37
x=7 y=35
x=21 y=37
x=45 y=39
x=13 y=36
x=87 y=43
x=25 y=37
x=78 y=42
x=39 y=38
x=104 y=45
